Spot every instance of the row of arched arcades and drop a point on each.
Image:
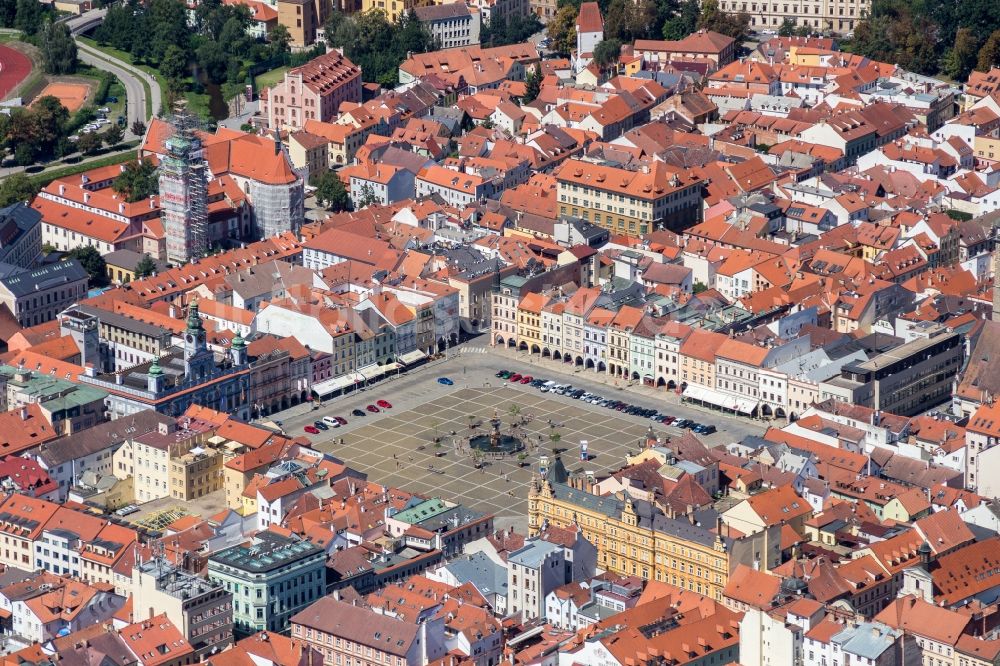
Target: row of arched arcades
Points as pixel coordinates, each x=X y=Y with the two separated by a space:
x=762 y=411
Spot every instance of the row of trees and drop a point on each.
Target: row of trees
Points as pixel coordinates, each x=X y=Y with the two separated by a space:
x=375 y=44
x=949 y=37
x=216 y=50
x=628 y=20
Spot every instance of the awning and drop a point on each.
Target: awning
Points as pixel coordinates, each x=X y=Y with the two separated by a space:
x=372 y=371
x=389 y=367
x=333 y=385
x=711 y=396
x=412 y=357
x=744 y=405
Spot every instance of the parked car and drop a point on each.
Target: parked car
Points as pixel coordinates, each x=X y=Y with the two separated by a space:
x=384 y=404
x=312 y=430
x=503 y=374
x=321 y=425
x=373 y=409
x=709 y=429
x=445 y=381
x=358 y=412
x=341 y=420
x=527 y=379
x=127 y=510
x=331 y=421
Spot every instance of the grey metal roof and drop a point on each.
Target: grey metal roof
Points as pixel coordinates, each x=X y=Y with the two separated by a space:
x=477 y=568
x=25 y=282
x=533 y=554
x=117 y=320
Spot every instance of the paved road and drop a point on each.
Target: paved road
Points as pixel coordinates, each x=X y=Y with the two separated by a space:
x=131 y=77
x=473 y=365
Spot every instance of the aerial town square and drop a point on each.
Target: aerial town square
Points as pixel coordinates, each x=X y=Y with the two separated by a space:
x=499 y=333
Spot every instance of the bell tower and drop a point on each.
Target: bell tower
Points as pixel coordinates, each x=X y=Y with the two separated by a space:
x=198 y=360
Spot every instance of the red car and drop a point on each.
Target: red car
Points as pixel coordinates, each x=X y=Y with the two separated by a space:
x=384 y=404
x=341 y=420
x=514 y=378
x=311 y=429
x=527 y=379
x=372 y=408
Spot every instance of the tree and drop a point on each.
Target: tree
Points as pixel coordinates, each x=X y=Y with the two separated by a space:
x=16 y=187
x=137 y=181
x=713 y=18
x=28 y=16
x=684 y=23
x=113 y=135
x=58 y=49
x=989 y=56
x=92 y=262
x=330 y=191
x=167 y=21
x=699 y=287
x=138 y=128
x=90 y=143
x=367 y=198
x=532 y=84
x=174 y=64
x=607 y=52
x=787 y=28
x=562 y=29
x=145 y=266
x=279 y=41
x=8 y=11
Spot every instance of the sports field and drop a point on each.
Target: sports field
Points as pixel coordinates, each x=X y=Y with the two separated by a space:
x=72 y=95
x=14 y=67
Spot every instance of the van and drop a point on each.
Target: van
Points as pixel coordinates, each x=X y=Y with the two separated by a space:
x=332 y=422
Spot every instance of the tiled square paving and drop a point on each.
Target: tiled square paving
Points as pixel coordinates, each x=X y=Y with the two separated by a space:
x=397 y=448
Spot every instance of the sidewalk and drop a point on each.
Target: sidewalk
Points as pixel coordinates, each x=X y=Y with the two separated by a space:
x=667 y=395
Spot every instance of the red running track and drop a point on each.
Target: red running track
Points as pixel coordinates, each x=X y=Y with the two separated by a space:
x=14 y=67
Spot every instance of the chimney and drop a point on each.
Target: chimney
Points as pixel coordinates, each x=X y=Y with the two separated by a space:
x=24 y=412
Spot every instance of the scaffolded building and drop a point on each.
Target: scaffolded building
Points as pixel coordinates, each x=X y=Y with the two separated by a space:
x=184 y=192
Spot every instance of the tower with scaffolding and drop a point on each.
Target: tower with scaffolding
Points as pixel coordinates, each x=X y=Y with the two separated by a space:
x=184 y=191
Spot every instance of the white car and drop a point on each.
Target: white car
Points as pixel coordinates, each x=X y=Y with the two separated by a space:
x=332 y=422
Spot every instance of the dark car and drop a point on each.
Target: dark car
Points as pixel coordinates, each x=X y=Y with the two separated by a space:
x=681 y=423
x=503 y=374
x=321 y=425
x=373 y=409
x=708 y=429
x=358 y=412
x=445 y=381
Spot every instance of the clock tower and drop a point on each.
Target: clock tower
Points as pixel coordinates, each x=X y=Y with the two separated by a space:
x=199 y=361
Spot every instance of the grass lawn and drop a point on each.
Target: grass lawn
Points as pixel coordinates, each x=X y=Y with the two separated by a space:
x=198 y=104
x=269 y=78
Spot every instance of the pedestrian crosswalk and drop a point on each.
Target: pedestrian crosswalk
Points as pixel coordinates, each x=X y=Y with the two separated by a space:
x=474 y=350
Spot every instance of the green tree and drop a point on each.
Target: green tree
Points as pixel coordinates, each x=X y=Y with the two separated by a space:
x=8 y=11
x=174 y=64
x=562 y=29
x=989 y=56
x=330 y=191
x=16 y=187
x=137 y=181
x=713 y=18
x=787 y=28
x=532 y=84
x=90 y=143
x=684 y=23
x=145 y=266
x=607 y=52
x=113 y=135
x=167 y=20
x=28 y=16
x=279 y=41
x=92 y=262
x=25 y=154
x=367 y=197
x=58 y=49
x=138 y=128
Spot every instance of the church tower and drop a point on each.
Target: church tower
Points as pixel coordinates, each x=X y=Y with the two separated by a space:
x=199 y=361
x=996 y=286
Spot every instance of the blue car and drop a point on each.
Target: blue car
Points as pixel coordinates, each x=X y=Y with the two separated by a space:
x=445 y=381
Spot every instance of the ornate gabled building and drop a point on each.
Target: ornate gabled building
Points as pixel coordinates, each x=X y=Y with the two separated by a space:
x=182 y=376
x=693 y=551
